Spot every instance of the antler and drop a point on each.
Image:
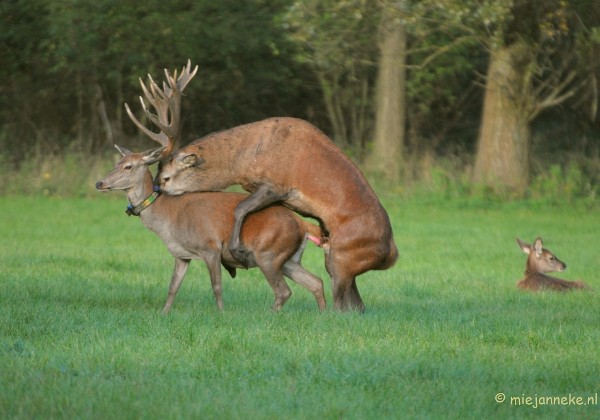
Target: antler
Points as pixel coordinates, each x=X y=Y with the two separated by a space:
x=165 y=101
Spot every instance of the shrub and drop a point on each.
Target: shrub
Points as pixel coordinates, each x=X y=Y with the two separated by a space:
x=558 y=185
x=69 y=174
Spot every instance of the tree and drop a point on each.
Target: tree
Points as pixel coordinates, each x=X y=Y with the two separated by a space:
x=540 y=55
x=387 y=156
x=22 y=72
x=536 y=62
x=503 y=146
x=335 y=38
x=69 y=66
x=444 y=100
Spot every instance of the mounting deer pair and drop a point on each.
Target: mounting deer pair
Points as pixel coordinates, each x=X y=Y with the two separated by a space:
x=278 y=160
x=198 y=225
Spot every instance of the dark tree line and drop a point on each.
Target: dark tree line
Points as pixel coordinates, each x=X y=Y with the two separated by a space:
x=68 y=66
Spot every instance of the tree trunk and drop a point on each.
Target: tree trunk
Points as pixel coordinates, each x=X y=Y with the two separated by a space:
x=502 y=160
x=387 y=155
x=330 y=89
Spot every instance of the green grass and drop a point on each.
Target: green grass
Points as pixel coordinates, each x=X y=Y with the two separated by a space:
x=445 y=331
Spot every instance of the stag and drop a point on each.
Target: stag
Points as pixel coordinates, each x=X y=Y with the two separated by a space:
x=290 y=161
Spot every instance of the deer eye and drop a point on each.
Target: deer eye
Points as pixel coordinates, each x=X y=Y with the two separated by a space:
x=128 y=167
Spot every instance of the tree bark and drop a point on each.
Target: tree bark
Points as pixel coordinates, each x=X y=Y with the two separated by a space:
x=502 y=159
x=388 y=143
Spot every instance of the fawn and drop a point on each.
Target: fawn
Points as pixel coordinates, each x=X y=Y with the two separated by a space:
x=539 y=262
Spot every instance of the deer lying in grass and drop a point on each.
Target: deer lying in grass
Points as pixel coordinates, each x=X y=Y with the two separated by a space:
x=197 y=225
x=290 y=161
x=541 y=261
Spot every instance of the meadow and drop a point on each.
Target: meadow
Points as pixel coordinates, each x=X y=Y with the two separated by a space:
x=446 y=334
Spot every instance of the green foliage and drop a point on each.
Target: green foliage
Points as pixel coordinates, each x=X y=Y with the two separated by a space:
x=71 y=174
x=74 y=63
x=336 y=39
x=485 y=20
x=82 y=336
x=563 y=186
x=445 y=181
x=331 y=32
x=440 y=92
x=74 y=174
x=68 y=66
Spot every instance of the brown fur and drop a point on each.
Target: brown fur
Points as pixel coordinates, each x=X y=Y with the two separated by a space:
x=289 y=160
x=540 y=261
x=198 y=225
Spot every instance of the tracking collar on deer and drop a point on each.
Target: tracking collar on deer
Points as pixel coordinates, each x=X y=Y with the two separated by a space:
x=136 y=210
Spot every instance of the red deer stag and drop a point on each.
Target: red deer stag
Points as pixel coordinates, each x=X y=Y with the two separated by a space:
x=541 y=261
x=198 y=225
x=291 y=161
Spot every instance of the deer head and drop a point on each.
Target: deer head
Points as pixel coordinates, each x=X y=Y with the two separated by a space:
x=540 y=259
x=131 y=171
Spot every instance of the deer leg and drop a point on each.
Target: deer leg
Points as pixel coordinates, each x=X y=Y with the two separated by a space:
x=277 y=282
x=353 y=296
x=296 y=272
x=213 y=263
x=179 y=271
x=345 y=292
x=259 y=199
x=346 y=296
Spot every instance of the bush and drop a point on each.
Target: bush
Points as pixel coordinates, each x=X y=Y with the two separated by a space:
x=69 y=174
x=563 y=186
x=74 y=173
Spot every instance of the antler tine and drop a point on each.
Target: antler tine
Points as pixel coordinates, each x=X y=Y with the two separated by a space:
x=186 y=75
x=167 y=84
x=177 y=83
x=165 y=101
x=151 y=96
x=156 y=91
x=162 y=103
x=159 y=137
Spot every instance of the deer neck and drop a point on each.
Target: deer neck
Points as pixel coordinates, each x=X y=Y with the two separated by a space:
x=532 y=272
x=142 y=196
x=531 y=267
x=226 y=149
x=529 y=271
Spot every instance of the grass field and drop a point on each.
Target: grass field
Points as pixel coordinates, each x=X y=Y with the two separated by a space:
x=446 y=333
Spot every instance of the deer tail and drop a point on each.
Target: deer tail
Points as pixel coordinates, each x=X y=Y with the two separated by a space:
x=315 y=234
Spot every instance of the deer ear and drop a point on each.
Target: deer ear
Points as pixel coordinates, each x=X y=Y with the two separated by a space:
x=153 y=155
x=524 y=246
x=189 y=160
x=123 y=150
x=538 y=245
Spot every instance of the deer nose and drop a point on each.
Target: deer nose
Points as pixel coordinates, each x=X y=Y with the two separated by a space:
x=99 y=185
